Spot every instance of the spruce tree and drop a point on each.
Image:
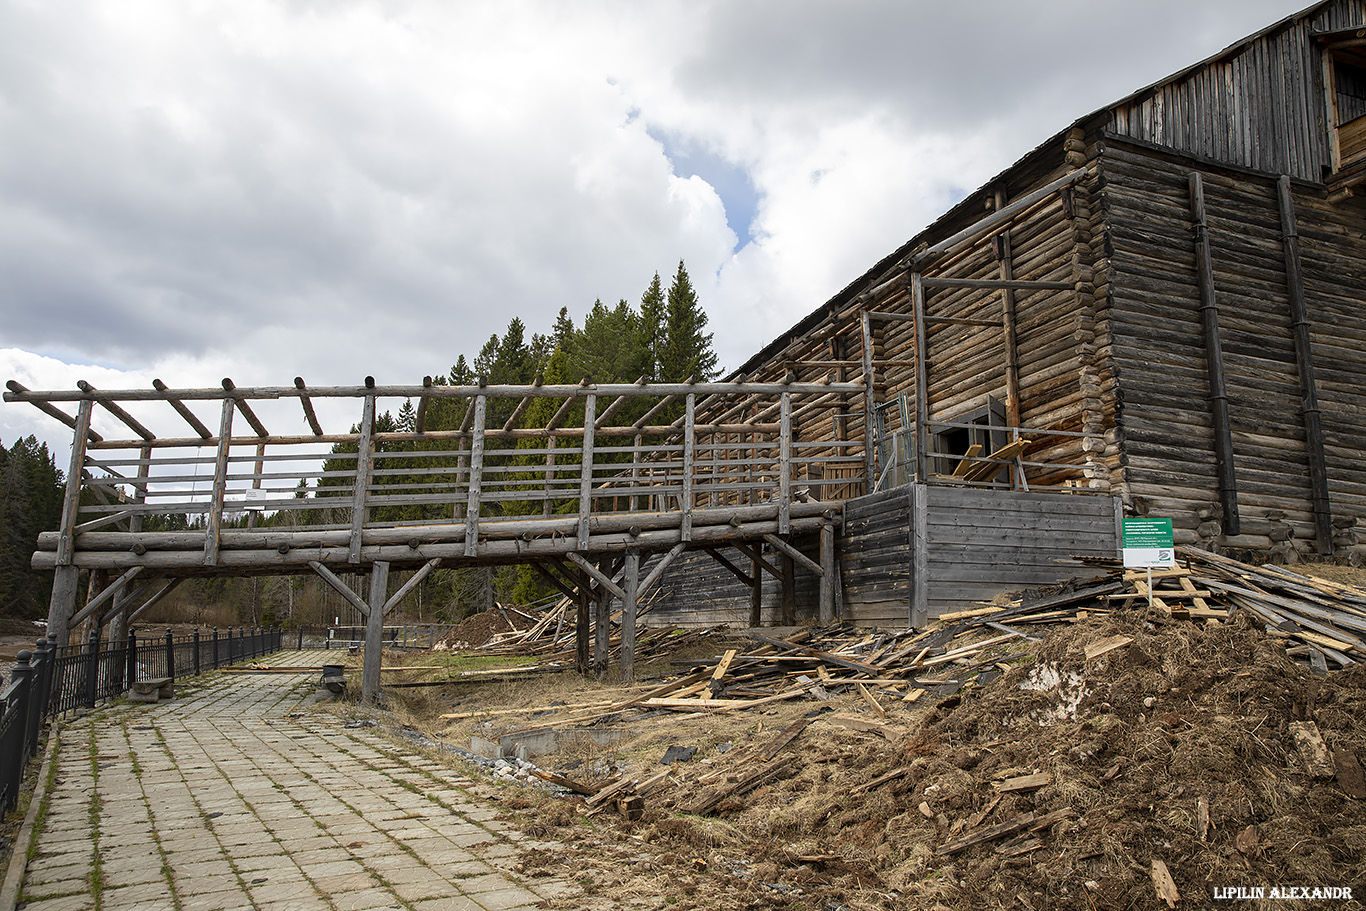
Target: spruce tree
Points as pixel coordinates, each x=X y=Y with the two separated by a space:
x=686 y=350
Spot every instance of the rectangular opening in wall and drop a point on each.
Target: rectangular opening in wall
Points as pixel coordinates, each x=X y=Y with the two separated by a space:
x=975 y=433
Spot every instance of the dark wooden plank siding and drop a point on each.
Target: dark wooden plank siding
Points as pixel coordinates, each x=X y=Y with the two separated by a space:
x=1260 y=106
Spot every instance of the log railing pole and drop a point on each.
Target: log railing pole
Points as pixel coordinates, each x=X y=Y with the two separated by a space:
x=365 y=452
x=476 y=478
x=586 y=469
x=214 y=525
x=922 y=383
x=785 y=467
x=869 y=405
x=689 y=456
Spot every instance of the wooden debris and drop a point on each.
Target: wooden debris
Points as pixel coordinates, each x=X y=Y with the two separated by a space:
x=1024 y=783
x=610 y=791
x=880 y=781
x=1096 y=649
x=788 y=734
x=1313 y=751
x=1164 y=884
x=1202 y=818
x=709 y=802
x=989 y=834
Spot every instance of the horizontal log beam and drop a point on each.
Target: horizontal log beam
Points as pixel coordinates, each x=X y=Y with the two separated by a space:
x=453 y=554
x=496 y=392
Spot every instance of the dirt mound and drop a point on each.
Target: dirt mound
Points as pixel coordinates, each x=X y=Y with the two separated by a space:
x=1062 y=783
x=477 y=629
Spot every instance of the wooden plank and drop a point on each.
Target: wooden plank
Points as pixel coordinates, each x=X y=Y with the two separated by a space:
x=982 y=835
x=1164 y=884
x=714 y=686
x=786 y=736
x=1023 y=783
x=1318 y=762
x=1104 y=646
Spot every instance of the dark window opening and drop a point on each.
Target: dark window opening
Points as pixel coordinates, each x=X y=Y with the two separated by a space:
x=988 y=433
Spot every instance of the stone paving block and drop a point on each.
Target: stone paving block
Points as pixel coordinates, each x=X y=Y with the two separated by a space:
x=148 y=895
x=82 y=902
x=228 y=900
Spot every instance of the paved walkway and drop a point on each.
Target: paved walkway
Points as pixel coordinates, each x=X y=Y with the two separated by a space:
x=235 y=795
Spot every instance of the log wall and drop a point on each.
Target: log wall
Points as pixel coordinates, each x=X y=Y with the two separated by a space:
x=1158 y=353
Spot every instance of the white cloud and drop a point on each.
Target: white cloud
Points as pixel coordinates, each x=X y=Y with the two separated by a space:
x=270 y=188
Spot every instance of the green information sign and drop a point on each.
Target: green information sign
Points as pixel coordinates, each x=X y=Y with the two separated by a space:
x=1148 y=543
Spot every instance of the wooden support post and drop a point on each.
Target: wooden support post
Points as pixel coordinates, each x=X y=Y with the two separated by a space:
x=1007 y=272
x=220 y=482
x=582 y=622
x=66 y=580
x=62 y=604
x=341 y=588
x=689 y=445
x=602 y=628
x=869 y=406
x=476 y=479
x=756 y=593
x=1304 y=361
x=253 y=514
x=785 y=467
x=1214 y=361
x=586 y=470
x=922 y=383
x=374 y=632
x=365 y=453
x=827 y=603
x=920 y=563
x=628 y=618
x=789 y=591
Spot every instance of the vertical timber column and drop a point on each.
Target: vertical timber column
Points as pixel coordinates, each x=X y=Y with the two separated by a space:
x=602 y=624
x=628 y=618
x=1214 y=360
x=549 y=474
x=785 y=465
x=922 y=383
x=590 y=409
x=220 y=479
x=689 y=457
x=374 y=633
x=582 y=622
x=66 y=579
x=476 y=479
x=1304 y=361
x=1006 y=271
x=756 y=593
x=869 y=391
x=789 y=568
x=828 y=581
x=365 y=452
x=920 y=555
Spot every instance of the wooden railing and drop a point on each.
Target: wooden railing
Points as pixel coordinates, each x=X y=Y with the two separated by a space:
x=475 y=462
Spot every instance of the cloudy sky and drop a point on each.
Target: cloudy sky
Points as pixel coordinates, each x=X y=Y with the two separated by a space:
x=269 y=188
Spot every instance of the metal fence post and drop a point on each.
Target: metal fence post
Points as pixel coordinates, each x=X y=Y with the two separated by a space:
x=215 y=648
x=170 y=654
x=34 y=722
x=92 y=668
x=301 y=640
x=196 y=651
x=132 y=658
x=14 y=755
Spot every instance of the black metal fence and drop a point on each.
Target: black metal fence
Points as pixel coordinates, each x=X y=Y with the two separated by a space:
x=53 y=680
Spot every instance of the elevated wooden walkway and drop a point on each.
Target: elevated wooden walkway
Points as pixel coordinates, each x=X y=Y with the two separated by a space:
x=580 y=481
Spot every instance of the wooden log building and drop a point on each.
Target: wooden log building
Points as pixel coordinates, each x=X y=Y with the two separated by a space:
x=1164 y=305
x=1157 y=312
